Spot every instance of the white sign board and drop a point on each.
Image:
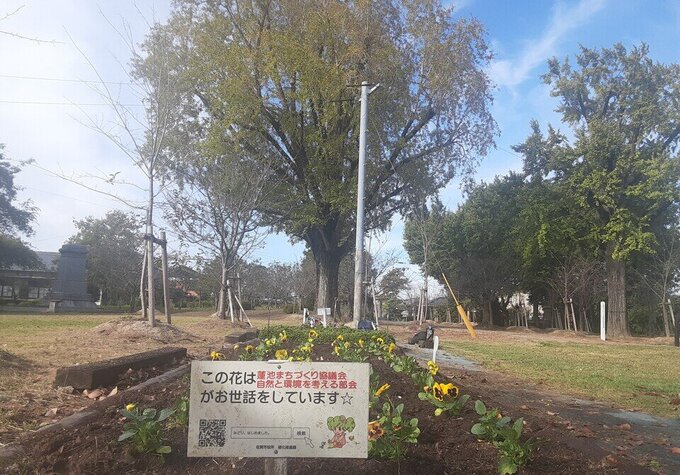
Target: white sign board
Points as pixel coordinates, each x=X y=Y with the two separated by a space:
x=324 y=312
x=278 y=409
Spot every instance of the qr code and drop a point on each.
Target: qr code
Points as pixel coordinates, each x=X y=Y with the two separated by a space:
x=212 y=432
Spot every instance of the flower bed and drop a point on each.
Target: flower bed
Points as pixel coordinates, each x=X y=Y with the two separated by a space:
x=406 y=434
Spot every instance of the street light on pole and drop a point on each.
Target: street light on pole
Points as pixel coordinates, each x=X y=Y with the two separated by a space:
x=359 y=247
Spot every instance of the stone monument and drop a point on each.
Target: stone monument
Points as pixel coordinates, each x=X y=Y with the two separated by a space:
x=69 y=291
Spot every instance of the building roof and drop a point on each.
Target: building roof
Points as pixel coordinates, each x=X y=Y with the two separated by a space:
x=48 y=262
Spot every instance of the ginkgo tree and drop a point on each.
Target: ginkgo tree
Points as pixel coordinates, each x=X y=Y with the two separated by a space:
x=280 y=80
x=624 y=111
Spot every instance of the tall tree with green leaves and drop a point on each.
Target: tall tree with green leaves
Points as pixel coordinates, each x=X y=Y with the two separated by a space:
x=624 y=111
x=15 y=219
x=551 y=230
x=474 y=246
x=114 y=255
x=392 y=285
x=280 y=78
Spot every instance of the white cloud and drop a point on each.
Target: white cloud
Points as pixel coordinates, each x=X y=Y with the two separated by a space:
x=512 y=72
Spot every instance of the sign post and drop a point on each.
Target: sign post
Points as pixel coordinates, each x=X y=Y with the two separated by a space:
x=278 y=409
x=603 y=322
x=435 y=347
x=323 y=313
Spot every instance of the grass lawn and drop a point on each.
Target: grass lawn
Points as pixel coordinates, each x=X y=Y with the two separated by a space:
x=642 y=377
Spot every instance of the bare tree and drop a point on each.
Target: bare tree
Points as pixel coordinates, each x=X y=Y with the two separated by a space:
x=575 y=277
x=660 y=274
x=214 y=207
x=18 y=35
x=140 y=130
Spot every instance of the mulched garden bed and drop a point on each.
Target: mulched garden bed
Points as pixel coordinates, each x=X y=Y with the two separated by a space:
x=30 y=409
x=445 y=445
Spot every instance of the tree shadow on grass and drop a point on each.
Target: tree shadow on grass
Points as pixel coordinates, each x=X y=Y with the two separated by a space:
x=13 y=363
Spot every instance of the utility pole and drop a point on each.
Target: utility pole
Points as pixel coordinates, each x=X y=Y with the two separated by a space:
x=359 y=253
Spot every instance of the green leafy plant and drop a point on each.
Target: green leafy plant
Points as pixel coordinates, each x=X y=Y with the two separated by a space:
x=348 y=351
x=491 y=421
x=514 y=452
x=180 y=418
x=144 y=429
x=444 y=397
x=390 y=433
x=405 y=364
x=302 y=352
x=498 y=430
x=423 y=380
x=374 y=384
x=300 y=334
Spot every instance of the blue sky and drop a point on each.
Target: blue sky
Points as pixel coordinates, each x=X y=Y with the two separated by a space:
x=523 y=35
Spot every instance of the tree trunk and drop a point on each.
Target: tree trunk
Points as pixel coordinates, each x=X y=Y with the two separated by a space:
x=222 y=300
x=666 y=320
x=149 y=256
x=327 y=270
x=141 y=285
x=487 y=313
x=617 y=325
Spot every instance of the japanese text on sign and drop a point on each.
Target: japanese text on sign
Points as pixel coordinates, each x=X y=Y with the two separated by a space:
x=284 y=409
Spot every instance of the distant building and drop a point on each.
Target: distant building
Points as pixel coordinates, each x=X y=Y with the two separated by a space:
x=21 y=283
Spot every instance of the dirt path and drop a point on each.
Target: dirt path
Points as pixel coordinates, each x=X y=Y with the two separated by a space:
x=621 y=437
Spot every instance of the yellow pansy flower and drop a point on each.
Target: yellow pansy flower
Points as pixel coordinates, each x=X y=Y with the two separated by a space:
x=382 y=389
x=375 y=430
x=438 y=392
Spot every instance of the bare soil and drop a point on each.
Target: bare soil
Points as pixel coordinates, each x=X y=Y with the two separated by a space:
x=133 y=329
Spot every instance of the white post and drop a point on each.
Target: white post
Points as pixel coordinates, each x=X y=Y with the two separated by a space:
x=603 y=320
x=361 y=172
x=375 y=305
x=231 y=305
x=435 y=341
